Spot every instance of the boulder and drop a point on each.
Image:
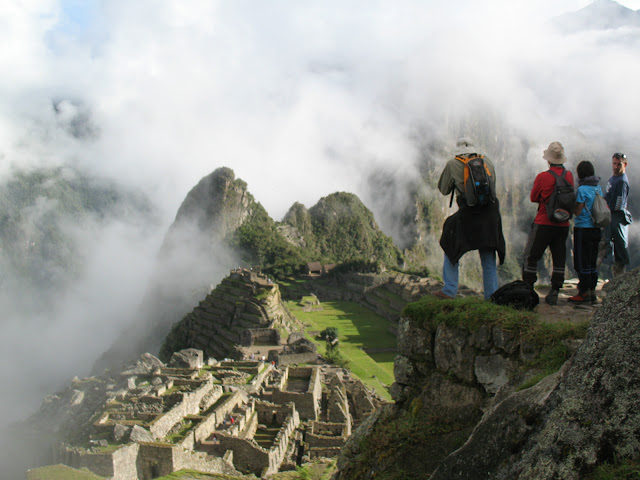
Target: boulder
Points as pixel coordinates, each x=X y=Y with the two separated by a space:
x=188 y=358
x=120 y=432
x=77 y=398
x=491 y=372
x=139 y=434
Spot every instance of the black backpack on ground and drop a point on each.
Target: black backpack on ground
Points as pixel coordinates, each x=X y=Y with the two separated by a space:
x=562 y=200
x=517 y=294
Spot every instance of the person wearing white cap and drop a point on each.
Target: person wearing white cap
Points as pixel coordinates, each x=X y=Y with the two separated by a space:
x=544 y=231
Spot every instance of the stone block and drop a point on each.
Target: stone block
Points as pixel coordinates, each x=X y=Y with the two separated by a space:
x=505 y=340
x=492 y=372
x=414 y=341
x=453 y=354
x=120 y=432
x=481 y=338
x=404 y=370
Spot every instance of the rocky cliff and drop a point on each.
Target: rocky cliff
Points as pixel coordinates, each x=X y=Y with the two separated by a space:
x=584 y=419
x=476 y=397
x=455 y=358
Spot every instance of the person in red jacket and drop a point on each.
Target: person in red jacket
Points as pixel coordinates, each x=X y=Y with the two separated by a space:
x=545 y=232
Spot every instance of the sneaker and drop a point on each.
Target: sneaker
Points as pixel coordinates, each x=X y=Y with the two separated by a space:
x=552 y=296
x=581 y=298
x=442 y=295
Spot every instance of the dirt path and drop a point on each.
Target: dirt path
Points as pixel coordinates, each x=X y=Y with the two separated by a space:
x=565 y=310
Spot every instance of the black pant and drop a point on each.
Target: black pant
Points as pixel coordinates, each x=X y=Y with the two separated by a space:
x=585 y=256
x=541 y=237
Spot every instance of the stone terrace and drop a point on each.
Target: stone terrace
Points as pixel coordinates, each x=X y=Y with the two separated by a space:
x=222 y=417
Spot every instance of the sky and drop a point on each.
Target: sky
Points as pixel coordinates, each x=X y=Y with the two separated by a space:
x=300 y=99
x=291 y=87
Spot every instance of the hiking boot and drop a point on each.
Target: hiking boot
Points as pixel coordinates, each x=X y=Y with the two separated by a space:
x=442 y=295
x=584 y=297
x=552 y=296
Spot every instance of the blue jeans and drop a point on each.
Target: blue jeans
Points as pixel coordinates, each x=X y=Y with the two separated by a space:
x=616 y=236
x=489 y=274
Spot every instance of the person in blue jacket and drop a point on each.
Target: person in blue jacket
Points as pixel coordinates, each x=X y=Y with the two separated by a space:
x=616 y=234
x=586 y=236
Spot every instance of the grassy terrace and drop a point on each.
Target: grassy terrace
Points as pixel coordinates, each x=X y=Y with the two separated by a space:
x=359 y=329
x=61 y=472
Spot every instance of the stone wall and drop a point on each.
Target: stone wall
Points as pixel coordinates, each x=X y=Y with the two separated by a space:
x=483 y=360
x=183 y=459
x=326 y=452
x=284 y=359
x=320 y=441
x=267 y=410
x=327 y=435
x=190 y=405
x=260 y=336
x=98 y=463
x=307 y=403
x=155 y=460
x=117 y=465
x=248 y=456
x=279 y=449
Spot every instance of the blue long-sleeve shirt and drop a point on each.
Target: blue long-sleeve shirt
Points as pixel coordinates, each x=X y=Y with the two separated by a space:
x=617 y=192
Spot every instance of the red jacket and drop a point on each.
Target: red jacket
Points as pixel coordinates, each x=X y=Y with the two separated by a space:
x=543 y=187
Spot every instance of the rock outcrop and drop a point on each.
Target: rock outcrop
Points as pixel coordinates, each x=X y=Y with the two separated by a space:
x=586 y=415
x=467 y=406
x=455 y=359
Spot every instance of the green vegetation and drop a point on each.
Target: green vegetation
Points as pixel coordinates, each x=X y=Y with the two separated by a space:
x=470 y=313
x=338 y=229
x=195 y=475
x=61 y=472
x=345 y=229
x=618 y=470
x=259 y=243
x=329 y=333
x=410 y=441
x=319 y=469
x=359 y=329
x=334 y=355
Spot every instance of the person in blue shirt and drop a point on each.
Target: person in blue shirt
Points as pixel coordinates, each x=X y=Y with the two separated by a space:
x=616 y=234
x=586 y=236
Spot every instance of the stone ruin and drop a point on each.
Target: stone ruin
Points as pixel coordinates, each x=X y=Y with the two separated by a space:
x=244 y=310
x=226 y=417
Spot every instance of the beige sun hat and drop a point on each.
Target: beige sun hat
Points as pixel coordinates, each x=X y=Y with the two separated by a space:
x=464 y=145
x=555 y=153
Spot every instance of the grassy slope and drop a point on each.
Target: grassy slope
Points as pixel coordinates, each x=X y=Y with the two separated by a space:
x=61 y=472
x=358 y=328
